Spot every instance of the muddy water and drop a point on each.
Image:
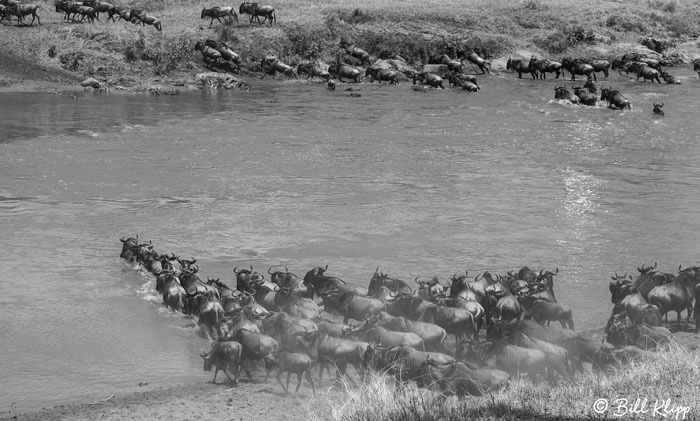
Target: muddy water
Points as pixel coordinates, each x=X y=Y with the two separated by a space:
x=417 y=183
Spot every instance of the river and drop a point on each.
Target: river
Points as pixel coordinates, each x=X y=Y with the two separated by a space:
x=291 y=174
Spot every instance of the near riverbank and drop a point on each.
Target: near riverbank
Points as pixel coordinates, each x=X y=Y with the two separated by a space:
x=671 y=374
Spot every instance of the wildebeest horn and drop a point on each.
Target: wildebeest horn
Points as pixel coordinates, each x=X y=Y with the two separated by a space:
x=416 y=280
x=268 y=270
x=203 y=354
x=655 y=263
x=235 y=271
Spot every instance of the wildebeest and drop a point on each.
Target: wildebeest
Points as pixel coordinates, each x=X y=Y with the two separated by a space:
x=696 y=66
x=544 y=311
x=599 y=65
x=585 y=96
x=456 y=80
x=457 y=379
x=432 y=335
x=677 y=295
x=271 y=65
x=560 y=92
x=320 y=282
x=591 y=86
x=512 y=359
x=217 y=13
x=339 y=352
x=383 y=337
x=247 y=279
x=386 y=75
x=542 y=67
x=313 y=70
x=557 y=357
x=657 y=108
x=578 y=67
x=380 y=279
x=521 y=66
x=343 y=71
x=615 y=99
x=607 y=358
x=644 y=71
x=227 y=54
x=71 y=7
x=174 y=294
x=453 y=65
x=355 y=51
x=22 y=10
x=483 y=65
x=224 y=355
x=211 y=316
x=255 y=11
x=670 y=79
x=209 y=54
x=429 y=79
x=102 y=7
x=290 y=362
x=351 y=305
x=457 y=321
x=256 y=346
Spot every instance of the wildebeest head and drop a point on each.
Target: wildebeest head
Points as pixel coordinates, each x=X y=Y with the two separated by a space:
x=644 y=270
x=208 y=360
x=657 y=108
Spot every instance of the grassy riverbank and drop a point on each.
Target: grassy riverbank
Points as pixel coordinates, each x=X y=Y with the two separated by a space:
x=669 y=381
x=125 y=54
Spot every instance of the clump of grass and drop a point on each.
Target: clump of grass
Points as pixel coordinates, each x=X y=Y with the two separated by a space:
x=670 y=374
x=164 y=55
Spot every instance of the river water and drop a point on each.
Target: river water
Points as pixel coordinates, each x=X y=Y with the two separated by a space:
x=416 y=183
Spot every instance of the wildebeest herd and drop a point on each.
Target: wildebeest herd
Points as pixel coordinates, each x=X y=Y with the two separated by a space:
x=78 y=11
x=466 y=337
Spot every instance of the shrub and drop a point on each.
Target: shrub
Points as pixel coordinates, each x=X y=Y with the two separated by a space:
x=555 y=43
x=579 y=35
x=354 y=17
x=626 y=23
x=164 y=54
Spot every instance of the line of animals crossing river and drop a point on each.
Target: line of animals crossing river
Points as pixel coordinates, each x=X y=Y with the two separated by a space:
x=468 y=337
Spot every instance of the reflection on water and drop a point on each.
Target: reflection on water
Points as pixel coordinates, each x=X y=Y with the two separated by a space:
x=419 y=184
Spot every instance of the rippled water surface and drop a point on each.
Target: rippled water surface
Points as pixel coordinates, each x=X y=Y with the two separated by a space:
x=417 y=183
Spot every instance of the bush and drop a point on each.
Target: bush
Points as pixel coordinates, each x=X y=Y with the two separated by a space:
x=626 y=23
x=555 y=43
x=580 y=35
x=164 y=54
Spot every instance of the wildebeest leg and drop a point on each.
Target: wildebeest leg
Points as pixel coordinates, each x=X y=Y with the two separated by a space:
x=216 y=371
x=311 y=381
x=238 y=373
x=279 y=373
x=250 y=376
x=226 y=373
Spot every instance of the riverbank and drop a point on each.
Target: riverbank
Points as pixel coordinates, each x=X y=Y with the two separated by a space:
x=260 y=400
x=58 y=54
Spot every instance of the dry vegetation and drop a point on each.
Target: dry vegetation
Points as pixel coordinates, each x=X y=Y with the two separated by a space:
x=122 y=53
x=672 y=376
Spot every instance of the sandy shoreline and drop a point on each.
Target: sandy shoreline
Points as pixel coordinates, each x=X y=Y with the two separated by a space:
x=256 y=400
